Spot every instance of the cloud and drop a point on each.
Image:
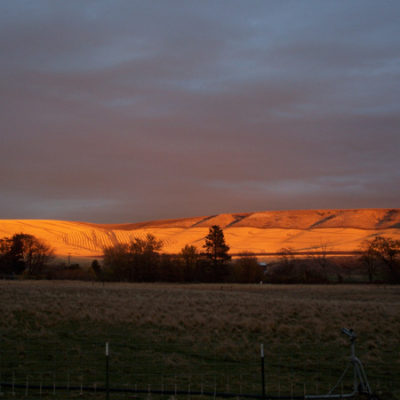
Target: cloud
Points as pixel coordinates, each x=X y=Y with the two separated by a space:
x=126 y=111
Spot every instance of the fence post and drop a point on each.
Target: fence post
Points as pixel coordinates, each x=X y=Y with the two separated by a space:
x=262 y=372
x=1 y=393
x=107 y=373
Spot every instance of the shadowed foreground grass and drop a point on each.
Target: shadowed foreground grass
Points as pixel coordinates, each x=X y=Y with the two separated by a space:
x=195 y=337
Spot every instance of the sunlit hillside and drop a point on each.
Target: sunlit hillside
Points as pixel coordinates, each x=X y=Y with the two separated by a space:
x=258 y=232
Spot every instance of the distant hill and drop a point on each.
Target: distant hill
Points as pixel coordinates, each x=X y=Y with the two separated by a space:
x=258 y=232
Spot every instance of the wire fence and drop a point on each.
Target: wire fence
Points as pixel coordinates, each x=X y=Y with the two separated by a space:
x=82 y=368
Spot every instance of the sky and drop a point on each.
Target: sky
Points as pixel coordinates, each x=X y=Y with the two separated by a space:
x=125 y=111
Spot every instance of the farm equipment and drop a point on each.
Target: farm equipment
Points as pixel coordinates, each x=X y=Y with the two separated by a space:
x=360 y=381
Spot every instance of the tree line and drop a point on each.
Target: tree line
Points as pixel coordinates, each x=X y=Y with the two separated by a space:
x=378 y=261
x=142 y=260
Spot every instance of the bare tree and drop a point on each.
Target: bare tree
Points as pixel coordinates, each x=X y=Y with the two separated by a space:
x=387 y=251
x=286 y=255
x=369 y=259
x=24 y=253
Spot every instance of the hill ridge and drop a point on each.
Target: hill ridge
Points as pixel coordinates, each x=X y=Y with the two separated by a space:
x=259 y=232
x=389 y=215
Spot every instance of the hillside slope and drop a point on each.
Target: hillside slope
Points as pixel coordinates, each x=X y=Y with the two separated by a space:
x=259 y=232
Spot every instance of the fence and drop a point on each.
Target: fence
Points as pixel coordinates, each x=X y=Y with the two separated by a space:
x=45 y=369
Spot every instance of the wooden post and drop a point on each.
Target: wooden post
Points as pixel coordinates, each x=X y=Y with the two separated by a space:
x=107 y=373
x=262 y=372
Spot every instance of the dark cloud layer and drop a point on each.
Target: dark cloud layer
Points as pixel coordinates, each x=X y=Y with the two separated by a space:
x=118 y=111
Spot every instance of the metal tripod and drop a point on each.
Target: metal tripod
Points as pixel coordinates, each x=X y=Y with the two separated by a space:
x=360 y=381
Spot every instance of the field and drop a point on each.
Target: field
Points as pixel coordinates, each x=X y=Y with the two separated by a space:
x=188 y=338
x=264 y=232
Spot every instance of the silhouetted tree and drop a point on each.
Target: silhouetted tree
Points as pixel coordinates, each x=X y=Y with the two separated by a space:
x=387 y=251
x=97 y=269
x=320 y=258
x=138 y=260
x=247 y=269
x=170 y=269
x=146 y=257
x=189 y=257
x=216 y=251
x=11 y=261
x=215 y=247
x=117 y=262
x=369 y=259
x=287 y=257
x=23 y=252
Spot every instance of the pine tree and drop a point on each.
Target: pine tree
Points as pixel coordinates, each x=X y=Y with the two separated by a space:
x=215 y=246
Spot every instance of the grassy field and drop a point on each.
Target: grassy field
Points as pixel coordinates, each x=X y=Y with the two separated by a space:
x=194 y=337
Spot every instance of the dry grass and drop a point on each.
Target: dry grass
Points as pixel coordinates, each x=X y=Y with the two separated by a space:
x=274 y=313
x=221 y=322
